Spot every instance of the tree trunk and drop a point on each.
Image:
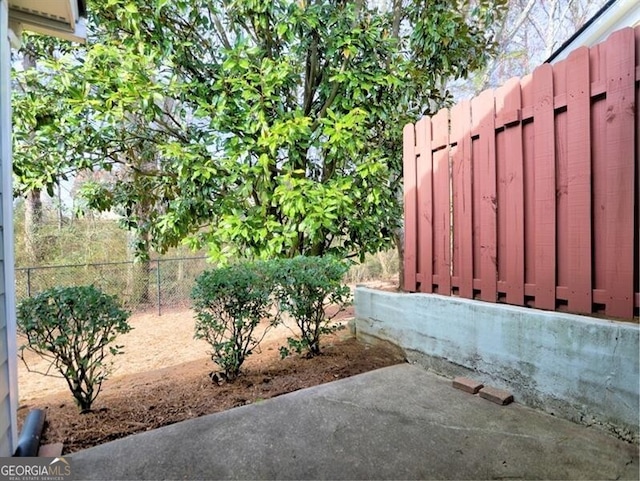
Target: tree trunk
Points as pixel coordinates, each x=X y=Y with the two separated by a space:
x=32 y=226
x=139 y=274
x=398 y=239
x=60 y=212
x=143 y=272
x=33 y=204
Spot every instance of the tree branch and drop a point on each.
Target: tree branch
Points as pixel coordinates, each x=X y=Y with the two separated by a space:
x=332 y=96
x=311 y=81
x=220 y=31
x=397 y=18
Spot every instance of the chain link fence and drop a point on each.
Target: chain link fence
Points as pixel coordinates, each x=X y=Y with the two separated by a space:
x=159 y=283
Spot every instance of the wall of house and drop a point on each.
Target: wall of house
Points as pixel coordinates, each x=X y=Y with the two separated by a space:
x=8 y=359
x=622 y=13
x=579 y=368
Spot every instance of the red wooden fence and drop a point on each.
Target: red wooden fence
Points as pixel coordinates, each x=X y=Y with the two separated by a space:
x=529 y=194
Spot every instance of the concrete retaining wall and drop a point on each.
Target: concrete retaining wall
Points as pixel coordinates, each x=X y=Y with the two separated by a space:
x=580 y=368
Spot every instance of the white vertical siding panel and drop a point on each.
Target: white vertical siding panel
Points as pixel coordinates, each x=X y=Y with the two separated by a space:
x=5 y=446
x=3 y=350
x=6 y=426
x=4 y=380
x=8 y=369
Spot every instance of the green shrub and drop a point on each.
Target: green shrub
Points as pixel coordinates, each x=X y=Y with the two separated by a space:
x=72 y=327
x=305 y=287
x=230 y=302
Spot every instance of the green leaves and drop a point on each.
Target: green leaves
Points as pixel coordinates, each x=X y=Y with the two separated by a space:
x=237 y=305
x=310 y=290
x=230 y=302
x=253 y=128
x=73 y=327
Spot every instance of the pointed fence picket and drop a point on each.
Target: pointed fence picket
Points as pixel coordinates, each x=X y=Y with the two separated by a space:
x=529 y=194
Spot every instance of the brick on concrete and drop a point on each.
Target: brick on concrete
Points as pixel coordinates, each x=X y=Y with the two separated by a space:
x=467 y=385
x=50 y=450
x=495 y=395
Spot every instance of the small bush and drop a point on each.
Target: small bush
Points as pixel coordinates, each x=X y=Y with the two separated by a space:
x=306 y=286
x=72 y=327
x=230 y=302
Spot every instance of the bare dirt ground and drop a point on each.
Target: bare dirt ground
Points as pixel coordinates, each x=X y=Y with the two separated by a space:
x=163 y=378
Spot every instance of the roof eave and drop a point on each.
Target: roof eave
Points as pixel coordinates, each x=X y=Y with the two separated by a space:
x=614 y=15
x=71 y=26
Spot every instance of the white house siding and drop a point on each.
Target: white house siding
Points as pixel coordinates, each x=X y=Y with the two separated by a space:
x=8 y=358
x=620 y=14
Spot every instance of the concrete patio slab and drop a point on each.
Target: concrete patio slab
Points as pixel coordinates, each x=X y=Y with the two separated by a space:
x=400 y=422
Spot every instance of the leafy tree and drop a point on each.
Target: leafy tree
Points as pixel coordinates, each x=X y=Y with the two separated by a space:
x=75 y=328
x=35 y=132
x=262 y=128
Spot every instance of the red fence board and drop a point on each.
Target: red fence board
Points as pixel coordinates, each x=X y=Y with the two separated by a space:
x=425 y=204
x=462 y=212
x=562 y=179
x=514 y=193
x=441 y=201
x=544 y=240
x=501 y=194
x=579 y=181
x=599 y=160
x=483 y=115
x=526 y=85
x=529 y=194
x=636 y=242
x=410 y=207
x=620 y=58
